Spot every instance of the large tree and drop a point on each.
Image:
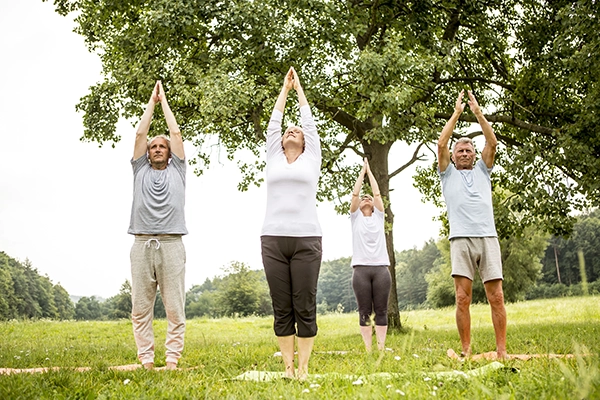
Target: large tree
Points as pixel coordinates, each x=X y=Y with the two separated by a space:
x=378 y=73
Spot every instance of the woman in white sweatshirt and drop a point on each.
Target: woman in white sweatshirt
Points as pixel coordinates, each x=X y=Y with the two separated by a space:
x=291 y=234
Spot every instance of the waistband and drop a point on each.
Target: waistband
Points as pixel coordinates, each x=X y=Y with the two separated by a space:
x=159 y=238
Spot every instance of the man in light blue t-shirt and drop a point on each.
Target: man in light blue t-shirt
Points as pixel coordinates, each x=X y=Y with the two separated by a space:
x=474 y=242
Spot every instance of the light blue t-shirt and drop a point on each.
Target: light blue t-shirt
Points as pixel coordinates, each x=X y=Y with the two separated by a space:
x=468 y=195
x=158 y=198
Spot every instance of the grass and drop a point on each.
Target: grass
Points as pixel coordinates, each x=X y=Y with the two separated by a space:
x=221 y=349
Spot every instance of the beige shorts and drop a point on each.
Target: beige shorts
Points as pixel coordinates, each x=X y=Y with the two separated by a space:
x=481 y=253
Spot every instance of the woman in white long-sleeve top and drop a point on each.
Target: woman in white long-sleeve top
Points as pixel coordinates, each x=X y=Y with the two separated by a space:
x=291 y=234
x=371 y=279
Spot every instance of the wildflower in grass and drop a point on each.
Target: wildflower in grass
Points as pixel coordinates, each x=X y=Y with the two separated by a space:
x=427 y=379
x=397 y=358
x=126 y=381
x=415 y=355
x=400 y=392
x=388 y=387
x=314 y=385
x=306 y=391
x=358 y=382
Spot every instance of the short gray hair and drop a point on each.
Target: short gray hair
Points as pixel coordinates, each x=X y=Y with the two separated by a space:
x=464 y=139
x=168 y=139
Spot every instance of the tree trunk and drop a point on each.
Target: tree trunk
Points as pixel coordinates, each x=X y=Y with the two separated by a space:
x=377 y=154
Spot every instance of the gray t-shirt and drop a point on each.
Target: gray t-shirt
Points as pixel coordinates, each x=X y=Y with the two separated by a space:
x=158 y=198
x=468 y=195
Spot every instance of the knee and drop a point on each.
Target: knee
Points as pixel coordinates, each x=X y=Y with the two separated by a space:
x=496 y=298
x=463 y=300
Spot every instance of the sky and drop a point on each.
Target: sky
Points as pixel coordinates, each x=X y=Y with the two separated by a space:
x=65 y=204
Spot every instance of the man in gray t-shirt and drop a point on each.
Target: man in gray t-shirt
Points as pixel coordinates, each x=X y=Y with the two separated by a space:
x=158 y=223
x=474 y=242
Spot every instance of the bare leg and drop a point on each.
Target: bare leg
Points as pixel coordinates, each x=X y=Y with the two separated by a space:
x=286 y=345
x=381 y=332
x=305 y=346
x=495 y=296
x=464 y=293
x=367 y=335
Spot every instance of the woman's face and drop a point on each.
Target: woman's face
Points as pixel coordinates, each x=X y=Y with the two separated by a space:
x=293 y=136
x=366 y=204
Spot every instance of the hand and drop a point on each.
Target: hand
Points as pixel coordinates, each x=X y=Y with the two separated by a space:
x=473 y=104
x=155 y=96
x=366 y=166
x=296 y=79
x=288 y=81
x=459 y=107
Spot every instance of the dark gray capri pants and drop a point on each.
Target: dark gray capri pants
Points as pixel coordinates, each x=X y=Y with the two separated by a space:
x=372 y=286
x=292 y=267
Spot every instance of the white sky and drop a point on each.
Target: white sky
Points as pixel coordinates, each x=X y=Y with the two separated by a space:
x=65 y=204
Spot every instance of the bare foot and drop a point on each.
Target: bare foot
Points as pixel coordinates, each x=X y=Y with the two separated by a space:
x=149 y=366
x=171 y=366
x=289 y=372
x=302 y=375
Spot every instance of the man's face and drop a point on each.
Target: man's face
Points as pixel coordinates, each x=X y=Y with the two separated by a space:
x=158 y=153
x=463 y=156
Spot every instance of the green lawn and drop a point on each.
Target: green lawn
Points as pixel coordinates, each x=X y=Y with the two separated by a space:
x=219 y=350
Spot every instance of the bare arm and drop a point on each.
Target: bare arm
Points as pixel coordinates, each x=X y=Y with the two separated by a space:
x=377 y=200
x=174 y=132
x=443 y=150
x=141 y=138
x=489 y=150
x=355 y=202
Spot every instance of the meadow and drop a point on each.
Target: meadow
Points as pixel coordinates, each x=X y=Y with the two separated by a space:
x=414 y=366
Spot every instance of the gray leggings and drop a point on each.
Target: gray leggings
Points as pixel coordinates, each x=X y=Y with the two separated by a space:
x=371 y=286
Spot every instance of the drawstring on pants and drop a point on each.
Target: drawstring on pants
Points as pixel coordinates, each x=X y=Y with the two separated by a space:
x=149 y=241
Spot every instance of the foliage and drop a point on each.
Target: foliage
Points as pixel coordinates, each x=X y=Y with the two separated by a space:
x=440 y=288
x=563 y=251
x=216 y=351
x=335 y=286
x=413 y=266
x=24 y=293
x=243 y=292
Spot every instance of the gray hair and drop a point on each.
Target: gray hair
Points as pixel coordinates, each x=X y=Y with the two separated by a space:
x=463 y=140
x=168 y=139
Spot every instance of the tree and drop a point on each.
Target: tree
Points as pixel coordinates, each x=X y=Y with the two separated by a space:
x=241 y=291
x=88 y=308
x=379 y=73
x=335 y=285
x=119 y=306
x=413 y=266
x=585 y=237
x=64 y=305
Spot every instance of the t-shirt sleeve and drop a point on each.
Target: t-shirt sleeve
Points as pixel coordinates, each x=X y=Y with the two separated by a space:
x=139 y=163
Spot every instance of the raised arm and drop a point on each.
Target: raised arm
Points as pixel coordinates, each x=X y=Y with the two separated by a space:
x=443 y=150
x=141 y=138
x=377 y=200
x=174 y=132
x=288 y=84
x=489 y=150
x=302 y=101
x=355 y=202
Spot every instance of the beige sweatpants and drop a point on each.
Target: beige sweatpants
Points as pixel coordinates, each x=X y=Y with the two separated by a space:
x=158 y=261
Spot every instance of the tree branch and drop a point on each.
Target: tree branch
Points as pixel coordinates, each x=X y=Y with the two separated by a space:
x=415 y=157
